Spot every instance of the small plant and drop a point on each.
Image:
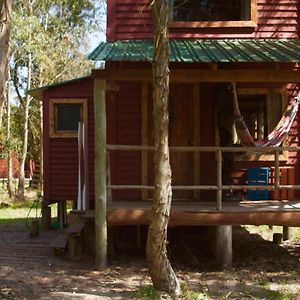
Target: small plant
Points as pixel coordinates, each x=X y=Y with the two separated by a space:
x=188 y=294
x=145 y=293
x=148 y=293
x=262 y=282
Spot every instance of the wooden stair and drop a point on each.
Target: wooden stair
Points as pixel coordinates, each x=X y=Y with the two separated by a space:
x=70 y=241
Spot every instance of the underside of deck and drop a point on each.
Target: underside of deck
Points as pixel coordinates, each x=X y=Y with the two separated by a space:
x=285 y=213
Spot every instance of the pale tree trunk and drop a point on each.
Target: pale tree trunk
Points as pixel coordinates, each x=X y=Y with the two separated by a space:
x=21 y=186
x=5 y=21
x=41 y=175
x=10 y=186
x=161 y=272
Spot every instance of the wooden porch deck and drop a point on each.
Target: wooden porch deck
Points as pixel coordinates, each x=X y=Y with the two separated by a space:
x=270 y=212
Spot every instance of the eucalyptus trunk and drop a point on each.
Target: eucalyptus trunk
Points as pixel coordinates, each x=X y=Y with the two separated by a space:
x=161 y=272
x=21 y=186
x=5 y=21
x=10 y=186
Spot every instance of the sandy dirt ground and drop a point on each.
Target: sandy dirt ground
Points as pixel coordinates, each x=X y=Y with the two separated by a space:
x=262 y=270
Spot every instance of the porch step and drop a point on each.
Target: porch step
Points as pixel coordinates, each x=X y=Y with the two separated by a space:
x=59 y=244
x=75 y=229
x=76 y=241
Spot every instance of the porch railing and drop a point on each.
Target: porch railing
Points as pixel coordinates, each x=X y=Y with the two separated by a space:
x=219 y=187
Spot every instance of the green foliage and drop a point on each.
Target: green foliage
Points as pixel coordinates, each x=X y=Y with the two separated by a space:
x=189 y=294
x=145 y=293
x=148 y=293
x=54 y=35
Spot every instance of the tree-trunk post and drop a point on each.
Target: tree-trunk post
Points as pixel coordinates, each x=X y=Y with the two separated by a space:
x=224 y=246
x=161 y=272
x=286 y=233
x=100 y=173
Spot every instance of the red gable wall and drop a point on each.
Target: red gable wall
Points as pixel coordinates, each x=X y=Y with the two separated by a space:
x=131 y=19
x=123 y=127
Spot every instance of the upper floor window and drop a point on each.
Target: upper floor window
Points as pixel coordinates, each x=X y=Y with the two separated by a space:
x=212 y=13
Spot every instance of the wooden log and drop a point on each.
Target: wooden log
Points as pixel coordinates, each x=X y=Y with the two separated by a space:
x=192 y=76
x=100 y=174
x=277 y=238
x=89 y=236
x=203 y=148
x=219 y=180
x=286 y=233
x=34 y=231
x=196 y=155
x=144 y=135
x=75 y=245
x=224 y=246
x=182 y=218
x=59 y=244
x=46 y=217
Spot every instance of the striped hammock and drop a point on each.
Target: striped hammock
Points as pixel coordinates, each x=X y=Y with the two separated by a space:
x=277 y=136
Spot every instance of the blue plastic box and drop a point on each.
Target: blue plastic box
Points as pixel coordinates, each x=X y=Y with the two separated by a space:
x=258 y=176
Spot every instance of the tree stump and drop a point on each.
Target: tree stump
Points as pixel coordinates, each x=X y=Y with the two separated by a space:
x=277 y=238
x=34 y=232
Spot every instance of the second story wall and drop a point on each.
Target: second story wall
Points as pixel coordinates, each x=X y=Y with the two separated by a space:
x=132 y=19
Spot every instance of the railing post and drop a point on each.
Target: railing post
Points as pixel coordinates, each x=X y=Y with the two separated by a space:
x=219 y=179
x=276 y=169
x=100 y=174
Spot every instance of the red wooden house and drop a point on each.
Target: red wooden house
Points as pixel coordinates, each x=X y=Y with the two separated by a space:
x=252 y=42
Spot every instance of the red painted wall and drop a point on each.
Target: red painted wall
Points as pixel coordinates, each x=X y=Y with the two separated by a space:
x=131 y=19
x=61 y=155
x=4 y=165
x=124 y=128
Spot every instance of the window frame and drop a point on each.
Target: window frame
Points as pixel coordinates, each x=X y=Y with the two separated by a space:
x=215 y=24
x=53 y=133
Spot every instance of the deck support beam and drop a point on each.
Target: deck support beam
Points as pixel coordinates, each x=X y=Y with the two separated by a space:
x=224 y=246
x=100 y=174
x=203 y=75
x=286 y=233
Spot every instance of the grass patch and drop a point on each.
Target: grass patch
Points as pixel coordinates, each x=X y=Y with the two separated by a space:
x=148 y=293
x=267 y=233
x=145 y=293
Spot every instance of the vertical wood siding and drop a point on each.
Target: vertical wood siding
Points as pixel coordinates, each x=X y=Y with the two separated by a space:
x=131 y=19
x=123 y=127
x=127 y=168
x=61 y=154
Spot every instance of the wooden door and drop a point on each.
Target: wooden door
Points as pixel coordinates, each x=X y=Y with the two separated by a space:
x=181 y=133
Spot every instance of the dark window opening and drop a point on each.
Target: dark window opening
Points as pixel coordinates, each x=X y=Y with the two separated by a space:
x=211 y=10
x=68 y=116
x=261 y=114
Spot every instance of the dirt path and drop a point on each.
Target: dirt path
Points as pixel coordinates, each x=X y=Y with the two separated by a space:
x=261 y=271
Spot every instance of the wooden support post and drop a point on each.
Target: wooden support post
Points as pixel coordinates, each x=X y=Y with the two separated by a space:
x=144 y=133
x=286 y=233
x=277 y=171
x=224 y=246
x=46 y=217
x=219 y=180
x=62 y=213
x=277 y=238
x=34 y=231
x=138 y=238
x=196 y=96
x=100 y=174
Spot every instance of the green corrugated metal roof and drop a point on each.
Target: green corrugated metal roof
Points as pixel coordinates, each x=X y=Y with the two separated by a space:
x=226 y=50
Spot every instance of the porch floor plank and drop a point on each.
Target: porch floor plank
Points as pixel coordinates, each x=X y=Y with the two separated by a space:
x=263 y=212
